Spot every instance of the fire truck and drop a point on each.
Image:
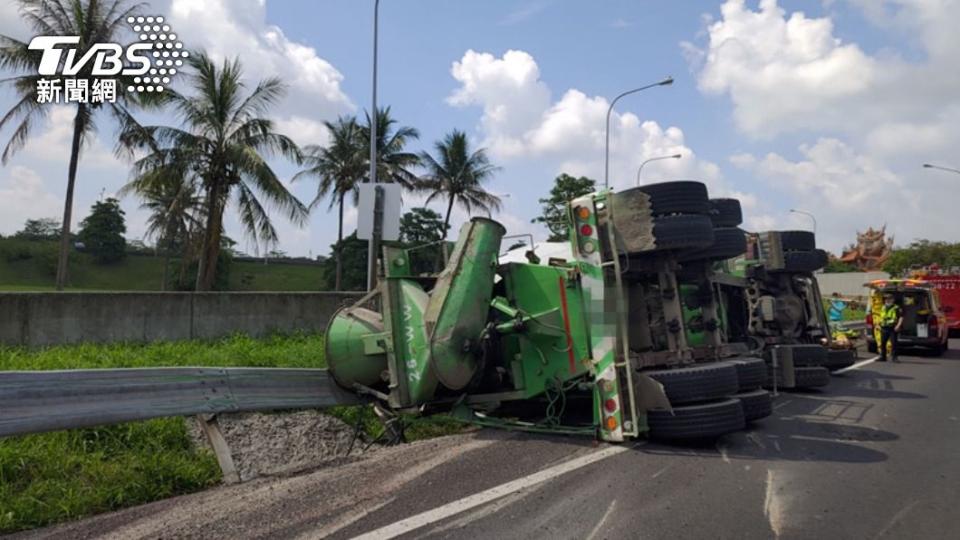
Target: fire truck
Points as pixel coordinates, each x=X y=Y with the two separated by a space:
x=946 y=281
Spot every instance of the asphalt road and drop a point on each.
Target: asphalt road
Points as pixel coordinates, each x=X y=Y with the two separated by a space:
x=874 y=455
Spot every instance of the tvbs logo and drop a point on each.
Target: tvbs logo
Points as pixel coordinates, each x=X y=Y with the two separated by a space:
x=148 y=64
x=107 y=57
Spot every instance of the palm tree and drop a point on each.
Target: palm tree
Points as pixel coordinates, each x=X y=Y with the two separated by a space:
x=393 y=163
x=458 y=174
x=94 y=21
x=222 y=145
x=339 y=168
x=176 y=212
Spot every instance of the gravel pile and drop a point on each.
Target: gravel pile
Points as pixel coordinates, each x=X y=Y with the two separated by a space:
x=281 y=443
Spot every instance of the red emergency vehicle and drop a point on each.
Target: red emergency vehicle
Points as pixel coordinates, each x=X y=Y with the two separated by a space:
x=946 y=281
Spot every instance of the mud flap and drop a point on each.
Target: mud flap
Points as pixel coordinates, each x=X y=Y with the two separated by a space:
x=650 y=394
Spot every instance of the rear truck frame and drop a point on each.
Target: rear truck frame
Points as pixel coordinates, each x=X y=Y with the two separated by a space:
x=776 y=300
x=594 y=344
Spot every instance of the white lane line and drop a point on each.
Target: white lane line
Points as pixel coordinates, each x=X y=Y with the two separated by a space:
x=896 y=519
x=451 y=509
x=858 y=365
x=772 y=506
x=346 y=521
x=599 y=525
x=661 y=471
x=782 y=403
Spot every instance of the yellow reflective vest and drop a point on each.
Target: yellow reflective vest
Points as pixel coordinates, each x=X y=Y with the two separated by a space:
x=889 y=315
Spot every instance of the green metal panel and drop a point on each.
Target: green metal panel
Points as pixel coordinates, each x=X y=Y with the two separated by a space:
x=412 y=381
x=352 y=350
x=460 y=303
x=553 y=345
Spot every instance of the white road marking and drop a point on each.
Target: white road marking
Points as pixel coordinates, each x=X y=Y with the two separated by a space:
x=661 y=471
x=896 y=519
x=596 y=528
x=722 y=448
x=756 y=441
x=451 y=509
x=346 y=521
x=782 y=403
x=772 y=506
x=858 y=365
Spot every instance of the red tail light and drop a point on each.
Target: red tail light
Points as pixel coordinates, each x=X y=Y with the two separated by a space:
x=870 y=320
x=934 y=322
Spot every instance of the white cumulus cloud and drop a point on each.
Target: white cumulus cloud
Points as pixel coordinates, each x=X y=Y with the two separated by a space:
x=521 y=122
x=24 y=196
x=238 y=28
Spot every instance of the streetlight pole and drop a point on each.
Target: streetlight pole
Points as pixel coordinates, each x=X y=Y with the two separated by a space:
x=606 y=159
x=675 y=156
x=374 y=117
x=948 y=169
x=814 y=218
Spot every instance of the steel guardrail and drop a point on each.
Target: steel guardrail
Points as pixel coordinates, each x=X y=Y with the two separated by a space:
x=38 y=401
x=850 y=325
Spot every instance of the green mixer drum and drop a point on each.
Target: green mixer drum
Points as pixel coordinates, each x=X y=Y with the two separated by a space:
x=351 y=357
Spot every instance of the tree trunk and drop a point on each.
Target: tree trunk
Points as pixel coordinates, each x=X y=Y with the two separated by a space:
x=211 y=246
x=446 y=226
x=339 y=254
x=446 y=220
x=68 y=200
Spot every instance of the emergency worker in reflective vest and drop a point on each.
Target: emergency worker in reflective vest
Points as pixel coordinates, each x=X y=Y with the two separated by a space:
x=891 y=320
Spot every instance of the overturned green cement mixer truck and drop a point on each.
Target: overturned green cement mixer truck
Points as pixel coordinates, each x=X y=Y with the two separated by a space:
x=595 y=343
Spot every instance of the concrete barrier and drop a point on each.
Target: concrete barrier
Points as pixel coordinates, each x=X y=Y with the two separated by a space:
x=40 y=319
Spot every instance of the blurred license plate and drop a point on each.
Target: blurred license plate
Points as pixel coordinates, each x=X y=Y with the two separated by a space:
x=922 y=330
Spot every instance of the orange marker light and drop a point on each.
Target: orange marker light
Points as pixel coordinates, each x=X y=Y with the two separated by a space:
x=583 y=212
x=611 y=423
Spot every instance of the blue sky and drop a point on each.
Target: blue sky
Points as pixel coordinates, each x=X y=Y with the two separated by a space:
x=825 y=106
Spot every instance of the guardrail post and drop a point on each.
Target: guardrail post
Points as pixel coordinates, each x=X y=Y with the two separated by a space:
x=211 y=428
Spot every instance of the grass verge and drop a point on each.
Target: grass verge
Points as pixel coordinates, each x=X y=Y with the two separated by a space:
x=52 y=477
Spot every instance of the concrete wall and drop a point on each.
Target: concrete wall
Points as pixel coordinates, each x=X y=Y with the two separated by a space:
x=848 y=284
x=37 y=319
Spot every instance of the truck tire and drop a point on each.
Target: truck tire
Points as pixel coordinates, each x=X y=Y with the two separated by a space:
x=685 y=197
x=756 y=404
x=840 y=358
x=726 y=212
x=803 y=261
x=728 y=242
x=704 y=421
x=751 y=373
x=811 y=377
x=697 y=383
x=683 y=231
x=798 y=241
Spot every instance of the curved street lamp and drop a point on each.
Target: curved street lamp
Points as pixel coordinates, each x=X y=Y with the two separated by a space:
x=606 y=158
x=675 y=156
x=813 y=217
x=948 y=169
